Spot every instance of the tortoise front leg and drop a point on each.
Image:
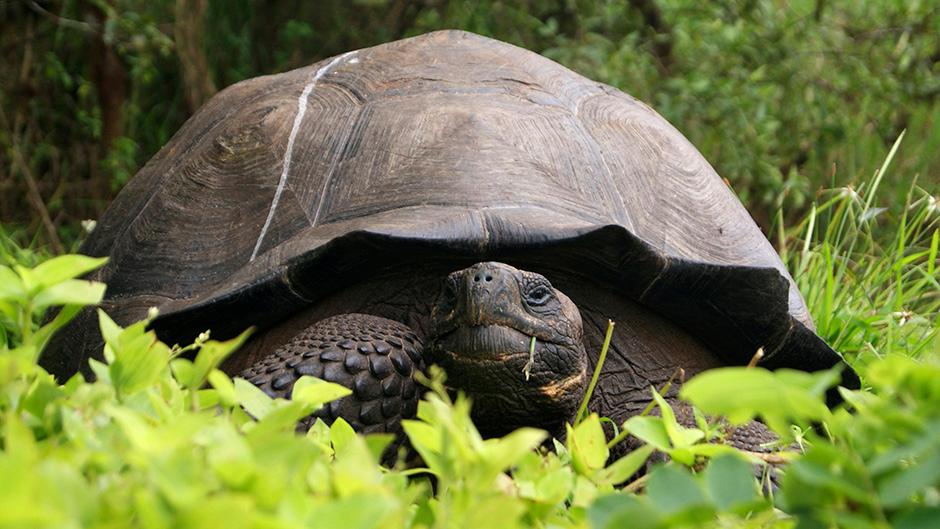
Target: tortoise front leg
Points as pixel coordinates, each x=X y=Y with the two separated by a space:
x=374 y=357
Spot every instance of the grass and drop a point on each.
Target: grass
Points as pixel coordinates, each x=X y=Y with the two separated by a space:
x=869 y=271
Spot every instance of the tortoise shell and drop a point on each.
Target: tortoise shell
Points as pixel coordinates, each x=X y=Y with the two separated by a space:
x=286 y=187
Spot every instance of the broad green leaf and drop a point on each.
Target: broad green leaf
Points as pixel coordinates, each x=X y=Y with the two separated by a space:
x=364 y=511
x=822 y=469
x=182 y=371
x=315 y=392
x=11 y=287
x=673 y=490
x=714 y=449
x=138 y=363
x=505 y=452
x=780 y=397
x=425 y=438
x=919 y=517
x=678 y=435
x=27 y=278
x=9 y=309
x=64 y=267
x=621 y=511
x=110 y=331
x=283 y=417
x=224 y=385
x=136 y=359
x=255 y=401
x=228 y=511
x=897 y=489
x=588 y=445
x=70 y=292
x=650 y=430
x=41 y=394
x=730 y=483
x=377 y=443
x=625 y=467
x=341 y=434
x=211 y=354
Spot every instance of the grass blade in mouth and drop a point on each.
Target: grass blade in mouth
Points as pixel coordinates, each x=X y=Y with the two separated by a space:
x=528 y=365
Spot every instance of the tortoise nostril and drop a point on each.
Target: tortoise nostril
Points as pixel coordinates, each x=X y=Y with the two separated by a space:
x=489 y=278
x=476 y=278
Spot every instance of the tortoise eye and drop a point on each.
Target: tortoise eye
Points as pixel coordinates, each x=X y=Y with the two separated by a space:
x=538 y=295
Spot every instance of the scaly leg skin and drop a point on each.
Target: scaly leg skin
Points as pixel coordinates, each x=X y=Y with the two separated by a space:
x=374 y=357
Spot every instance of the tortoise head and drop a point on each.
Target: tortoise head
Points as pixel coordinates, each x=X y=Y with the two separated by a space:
x=482 y=331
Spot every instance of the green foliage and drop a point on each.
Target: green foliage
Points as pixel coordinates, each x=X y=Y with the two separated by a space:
x=779 y=399
x=26 y=294
x=724 y=494
x=878 y=462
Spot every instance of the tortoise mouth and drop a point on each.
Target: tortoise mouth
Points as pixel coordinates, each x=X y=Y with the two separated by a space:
x=491 y=358
x=483 y=343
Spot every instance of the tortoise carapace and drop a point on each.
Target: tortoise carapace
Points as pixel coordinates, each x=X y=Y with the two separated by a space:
x=445 y=199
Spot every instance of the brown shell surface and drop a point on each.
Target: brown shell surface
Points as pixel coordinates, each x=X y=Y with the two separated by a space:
x=451 y=143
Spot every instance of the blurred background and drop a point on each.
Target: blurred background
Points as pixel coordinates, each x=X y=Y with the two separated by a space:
x=784 y=98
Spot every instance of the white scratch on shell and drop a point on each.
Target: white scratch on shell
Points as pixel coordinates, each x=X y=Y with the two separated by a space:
x=298 y=119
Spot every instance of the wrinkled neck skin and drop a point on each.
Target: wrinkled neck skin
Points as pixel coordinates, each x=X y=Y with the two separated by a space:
x=481 y=332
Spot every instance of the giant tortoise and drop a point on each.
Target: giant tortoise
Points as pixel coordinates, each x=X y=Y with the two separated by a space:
x=445 y=199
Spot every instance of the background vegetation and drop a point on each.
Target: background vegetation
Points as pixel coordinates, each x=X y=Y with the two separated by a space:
x=784 y=97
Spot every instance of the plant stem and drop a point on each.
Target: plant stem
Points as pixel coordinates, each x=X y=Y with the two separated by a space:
x=597 y=373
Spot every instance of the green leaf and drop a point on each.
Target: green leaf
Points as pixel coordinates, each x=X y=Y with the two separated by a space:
x=678 y=435
x=650 y=430
x=211 y=354
x=182 y=371
x=424 y=437
x=224 y=386
x=673 y=490
x=625 y=467
x=110 y=331
x=355 y=512
x=229 y=511
x=70 y=292
x=315 y=392
x=11 y=287
x=588 y=445
x=622 y=510
x=252 y=399
x=139 y=357
x=283 y=417
x=502 y=453
x=917 y=518
x=782 y=397
x=897 y=489
x=730 y=483
x=64 y=267
x=341 y=434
